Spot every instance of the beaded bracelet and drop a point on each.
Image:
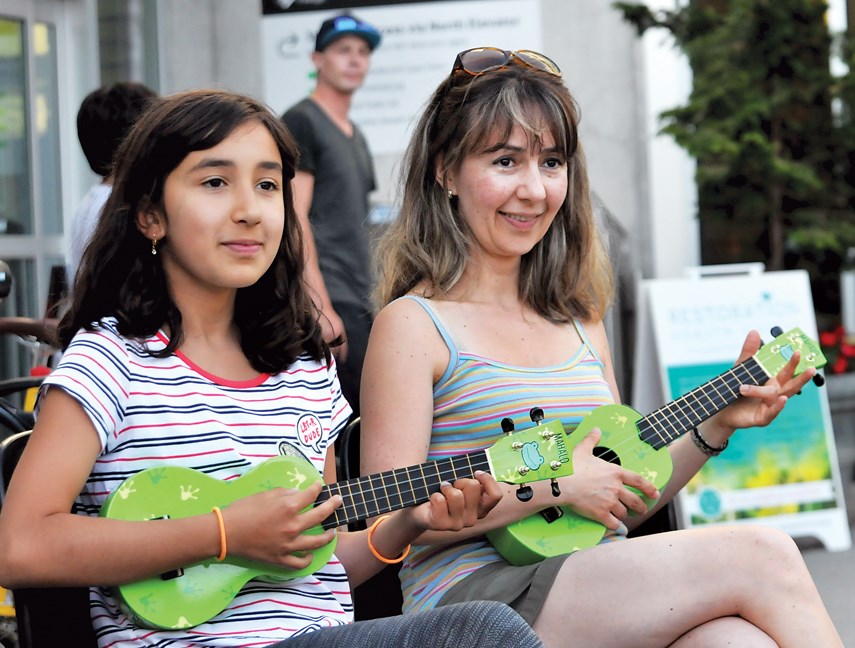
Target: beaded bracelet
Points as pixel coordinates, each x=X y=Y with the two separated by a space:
x=705 y=447
x=377 y=555
x=222 y=526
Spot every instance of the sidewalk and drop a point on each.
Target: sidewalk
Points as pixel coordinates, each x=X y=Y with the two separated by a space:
x=834 y=573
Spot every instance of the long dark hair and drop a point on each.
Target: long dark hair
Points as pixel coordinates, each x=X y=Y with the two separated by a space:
x=119 y=276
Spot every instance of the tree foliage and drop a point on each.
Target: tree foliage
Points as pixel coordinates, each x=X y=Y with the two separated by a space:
x=772 y=130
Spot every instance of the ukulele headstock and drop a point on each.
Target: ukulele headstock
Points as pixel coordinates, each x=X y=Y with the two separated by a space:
x=533 y=454
x=773 y=355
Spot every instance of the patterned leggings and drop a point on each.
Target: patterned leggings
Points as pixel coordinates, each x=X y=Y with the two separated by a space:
x=462 y=625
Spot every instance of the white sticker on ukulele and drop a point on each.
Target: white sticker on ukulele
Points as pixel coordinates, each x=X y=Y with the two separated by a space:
x=310 y=432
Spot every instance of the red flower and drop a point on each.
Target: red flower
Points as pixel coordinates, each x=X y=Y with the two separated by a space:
x=839 y=349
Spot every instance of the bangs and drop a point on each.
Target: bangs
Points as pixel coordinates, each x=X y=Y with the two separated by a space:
x=516 y=105
x=188 y=122
x=200 y=120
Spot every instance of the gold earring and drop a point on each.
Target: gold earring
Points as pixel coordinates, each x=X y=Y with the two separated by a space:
x=153 y=246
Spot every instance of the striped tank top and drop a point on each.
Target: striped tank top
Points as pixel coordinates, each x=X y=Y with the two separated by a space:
x=470 y=399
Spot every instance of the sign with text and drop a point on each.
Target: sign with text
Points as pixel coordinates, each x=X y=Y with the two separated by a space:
x=785 y=475
x=420 y=42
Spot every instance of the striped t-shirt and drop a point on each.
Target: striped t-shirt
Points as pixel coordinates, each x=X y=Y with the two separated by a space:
x=150 y=411
x=470 y=400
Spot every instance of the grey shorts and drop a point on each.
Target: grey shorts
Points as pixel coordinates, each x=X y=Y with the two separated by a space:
x=524 y=588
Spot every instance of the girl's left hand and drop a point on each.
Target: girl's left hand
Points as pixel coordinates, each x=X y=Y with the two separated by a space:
x=760 y=404
x=458 y=505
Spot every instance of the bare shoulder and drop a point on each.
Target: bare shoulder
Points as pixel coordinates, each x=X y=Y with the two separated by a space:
x=404 y=319
x=403 y=361
x=404 y=333
x=596 y=332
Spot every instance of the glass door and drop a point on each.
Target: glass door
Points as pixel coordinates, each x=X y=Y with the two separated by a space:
x=31 y=218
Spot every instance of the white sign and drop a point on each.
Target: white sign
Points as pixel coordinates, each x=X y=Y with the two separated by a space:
x=420 y=42
x=785 y=475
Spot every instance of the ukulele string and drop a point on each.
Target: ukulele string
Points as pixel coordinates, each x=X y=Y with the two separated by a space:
x=391 y=491
x=671 y=432
x=395 y=479
x=694 y=403
x=402 y=487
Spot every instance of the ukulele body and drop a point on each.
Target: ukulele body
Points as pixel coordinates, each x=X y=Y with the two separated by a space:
x=559 y=530
x=199 y=592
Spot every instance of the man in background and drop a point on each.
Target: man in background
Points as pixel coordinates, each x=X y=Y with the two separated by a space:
x=331 y=187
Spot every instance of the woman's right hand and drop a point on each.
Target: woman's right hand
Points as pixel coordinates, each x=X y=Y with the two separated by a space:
x=598 y=489
x=458 y=506
x=268 y=526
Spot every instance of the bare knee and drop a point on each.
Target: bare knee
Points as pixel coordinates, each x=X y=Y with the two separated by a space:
x=774 y=548
x=725 y=631
x=771 y=558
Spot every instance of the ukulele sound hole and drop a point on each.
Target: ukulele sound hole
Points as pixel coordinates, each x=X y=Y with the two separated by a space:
x=551 y=514
x=607 y=455
x=170 y=575
x=175 y=573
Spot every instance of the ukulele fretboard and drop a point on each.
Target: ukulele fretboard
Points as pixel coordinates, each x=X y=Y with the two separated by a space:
x=676 y=418
x=396 y=489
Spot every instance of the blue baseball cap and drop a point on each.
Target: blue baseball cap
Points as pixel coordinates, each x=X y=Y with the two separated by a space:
x=345 y=25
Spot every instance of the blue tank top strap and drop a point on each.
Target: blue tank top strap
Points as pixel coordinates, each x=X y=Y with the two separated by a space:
x=447 y=337
x=581 y=330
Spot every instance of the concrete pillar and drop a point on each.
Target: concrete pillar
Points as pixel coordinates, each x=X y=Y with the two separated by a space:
x=210 y=43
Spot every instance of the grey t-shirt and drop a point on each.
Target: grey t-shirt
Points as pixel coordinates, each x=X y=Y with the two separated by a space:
x=344 y=176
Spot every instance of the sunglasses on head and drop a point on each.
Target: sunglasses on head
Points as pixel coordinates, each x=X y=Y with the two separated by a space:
x=480 y=60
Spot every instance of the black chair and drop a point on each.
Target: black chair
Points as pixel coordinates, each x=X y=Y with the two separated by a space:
x=379 y=596
x=46 y=616
x=40 y=336
x=348 y=450
x=13 y=419
x=665 y=519
x=11 y=449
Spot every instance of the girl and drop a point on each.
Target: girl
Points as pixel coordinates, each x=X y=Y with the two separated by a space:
x=495 y=284
x=191 y=341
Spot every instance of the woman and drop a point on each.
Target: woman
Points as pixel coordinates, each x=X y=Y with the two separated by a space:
x=494 y=285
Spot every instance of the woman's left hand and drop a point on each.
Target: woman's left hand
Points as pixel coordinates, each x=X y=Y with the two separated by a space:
x=760 y=403
x=458 y=505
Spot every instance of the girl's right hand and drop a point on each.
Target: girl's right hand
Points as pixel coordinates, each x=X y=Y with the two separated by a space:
x=268 y=526
x=598 y=489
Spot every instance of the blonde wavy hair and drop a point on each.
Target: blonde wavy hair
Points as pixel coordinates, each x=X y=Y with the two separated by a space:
x=567 y=274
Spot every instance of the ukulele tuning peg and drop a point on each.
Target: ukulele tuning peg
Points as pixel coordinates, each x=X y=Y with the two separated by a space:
x=524 y=493
x=776 y=331
x=507 y=425
x=818 y=380
x=536 y=414
x=556 y=491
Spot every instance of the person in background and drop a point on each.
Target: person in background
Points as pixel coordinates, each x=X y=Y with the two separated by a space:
x=192 y=342
x=494 y=286
x=103 y=120
x=331 y=189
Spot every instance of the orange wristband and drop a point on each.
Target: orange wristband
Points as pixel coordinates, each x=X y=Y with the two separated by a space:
x=222 y=526
x=383 y=559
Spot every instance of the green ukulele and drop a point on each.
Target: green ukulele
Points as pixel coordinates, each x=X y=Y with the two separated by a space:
x=638 y=444
x=197 y=593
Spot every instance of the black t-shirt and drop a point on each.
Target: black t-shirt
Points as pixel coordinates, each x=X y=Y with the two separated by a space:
x=344 y=176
